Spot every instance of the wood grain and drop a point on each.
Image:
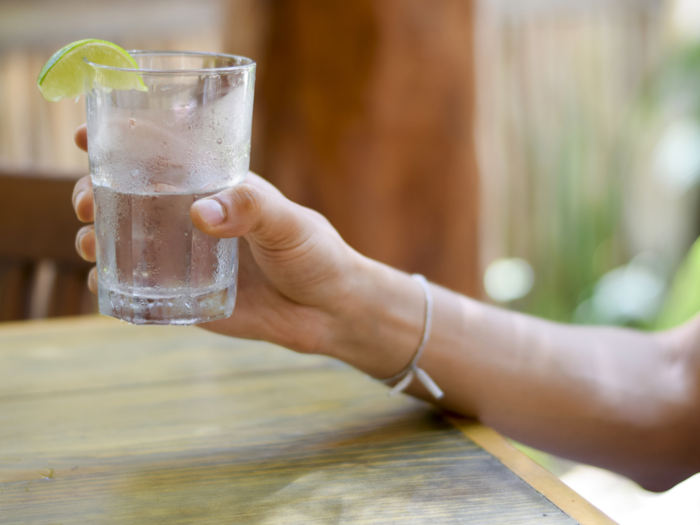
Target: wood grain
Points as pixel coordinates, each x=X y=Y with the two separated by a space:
x=536 y=476
x=102 y=422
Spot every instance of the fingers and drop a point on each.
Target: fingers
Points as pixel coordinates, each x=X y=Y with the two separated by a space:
x=81 y=137
x=85 y=210
x=251 y=209
x=83 y=200
x=85 y=243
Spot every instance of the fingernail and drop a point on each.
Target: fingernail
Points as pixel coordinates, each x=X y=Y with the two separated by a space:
x=78 y=197
x=211 y=211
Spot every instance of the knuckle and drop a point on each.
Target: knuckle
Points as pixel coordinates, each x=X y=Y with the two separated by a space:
x=246 y=200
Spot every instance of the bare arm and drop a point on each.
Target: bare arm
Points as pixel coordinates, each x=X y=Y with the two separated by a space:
x=617 y=398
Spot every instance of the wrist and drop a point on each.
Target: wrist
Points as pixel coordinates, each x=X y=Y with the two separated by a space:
x=378 y=326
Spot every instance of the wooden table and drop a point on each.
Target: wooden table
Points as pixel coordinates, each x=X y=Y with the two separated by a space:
x=106 y=423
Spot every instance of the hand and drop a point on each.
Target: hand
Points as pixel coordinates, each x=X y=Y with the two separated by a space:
x=295 y=273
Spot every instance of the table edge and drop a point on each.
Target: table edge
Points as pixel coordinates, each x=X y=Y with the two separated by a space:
x=539 y=478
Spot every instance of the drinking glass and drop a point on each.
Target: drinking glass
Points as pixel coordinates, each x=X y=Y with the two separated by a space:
x=152 y=154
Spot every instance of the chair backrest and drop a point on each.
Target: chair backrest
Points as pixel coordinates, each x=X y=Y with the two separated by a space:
x=41 y=275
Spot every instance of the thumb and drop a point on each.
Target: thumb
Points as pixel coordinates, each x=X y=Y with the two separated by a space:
x=266 y=218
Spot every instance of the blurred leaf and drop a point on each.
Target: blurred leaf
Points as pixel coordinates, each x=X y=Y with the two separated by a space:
x=683 y=300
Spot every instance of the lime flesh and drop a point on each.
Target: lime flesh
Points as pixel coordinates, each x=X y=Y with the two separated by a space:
x=67 y=75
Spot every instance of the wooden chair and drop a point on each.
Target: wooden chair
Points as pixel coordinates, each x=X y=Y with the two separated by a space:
x=41 y=275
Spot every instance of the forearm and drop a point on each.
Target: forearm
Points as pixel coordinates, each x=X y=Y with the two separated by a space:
x=607 y=396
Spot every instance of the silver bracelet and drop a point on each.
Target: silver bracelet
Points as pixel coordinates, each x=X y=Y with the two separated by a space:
x=406 y=376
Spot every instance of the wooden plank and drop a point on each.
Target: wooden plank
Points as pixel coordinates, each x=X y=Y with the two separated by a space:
x=172 y=424
x=99 y=352
x=535 y=475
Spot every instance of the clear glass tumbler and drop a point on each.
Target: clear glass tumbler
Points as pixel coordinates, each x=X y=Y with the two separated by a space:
x=152 y=154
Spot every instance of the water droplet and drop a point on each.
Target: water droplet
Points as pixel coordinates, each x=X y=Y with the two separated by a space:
x=165 y=144
x=135 y=173
x=219 y=141
x=132 y=123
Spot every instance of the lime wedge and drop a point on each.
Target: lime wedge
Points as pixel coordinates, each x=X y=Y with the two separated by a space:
x=66 y=74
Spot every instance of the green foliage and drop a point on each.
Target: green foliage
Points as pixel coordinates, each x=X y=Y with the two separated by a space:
x=683 y=299
x=680 y=81
x=578 y=234
x=579 y=181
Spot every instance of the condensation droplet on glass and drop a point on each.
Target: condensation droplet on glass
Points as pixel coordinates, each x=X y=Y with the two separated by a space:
x=219 y=141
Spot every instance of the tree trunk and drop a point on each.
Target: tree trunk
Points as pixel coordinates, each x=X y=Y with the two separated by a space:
x=365 y=113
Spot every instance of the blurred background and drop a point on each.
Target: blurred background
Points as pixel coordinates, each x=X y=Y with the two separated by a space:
x=543 y=155
x=589 y=156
